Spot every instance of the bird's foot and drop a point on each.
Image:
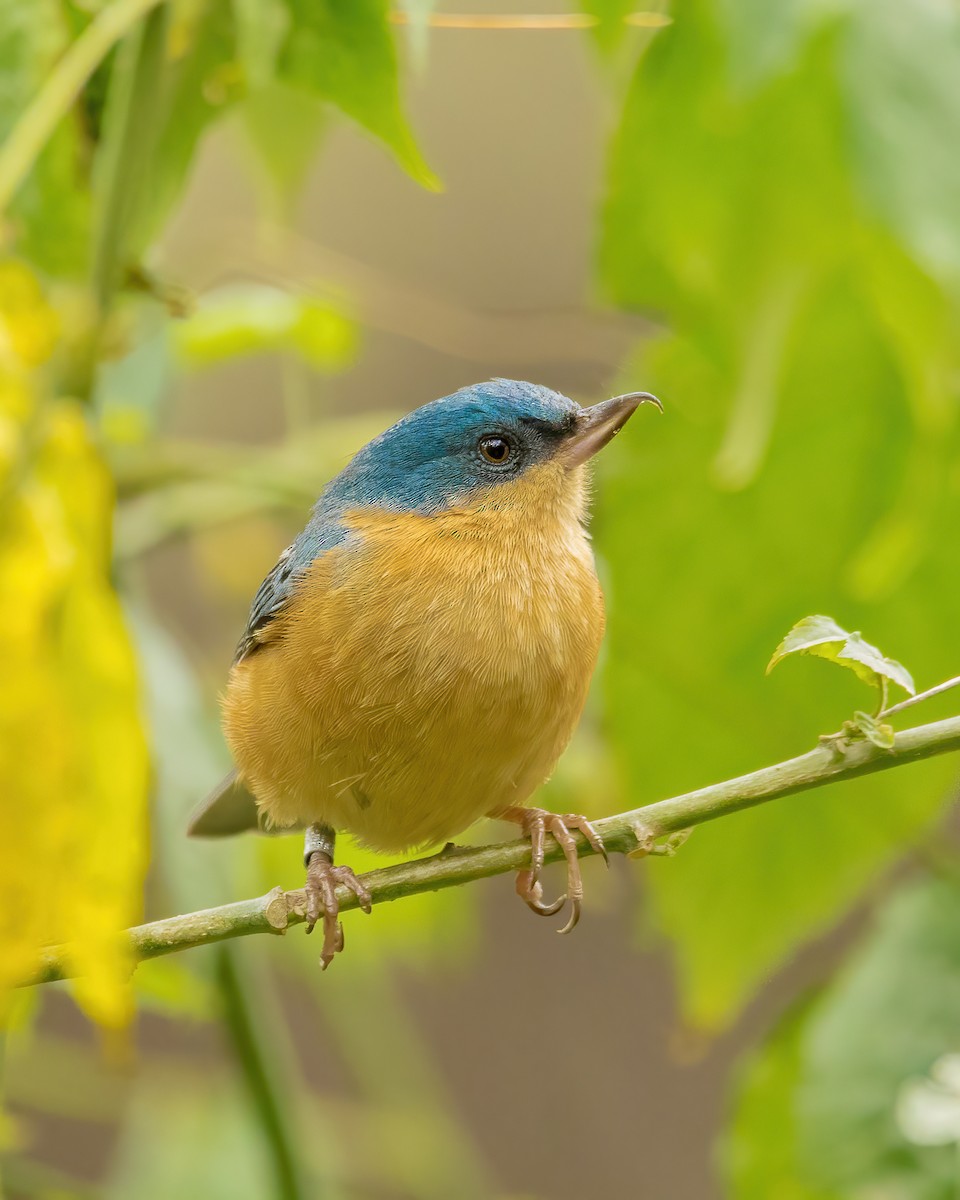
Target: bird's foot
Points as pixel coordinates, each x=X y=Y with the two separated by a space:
x=321 y=894
x=536 y=823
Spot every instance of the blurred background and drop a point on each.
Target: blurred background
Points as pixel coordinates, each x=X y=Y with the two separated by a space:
x=240 y=237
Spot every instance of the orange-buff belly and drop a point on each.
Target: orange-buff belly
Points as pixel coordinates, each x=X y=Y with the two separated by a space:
x=428 y=671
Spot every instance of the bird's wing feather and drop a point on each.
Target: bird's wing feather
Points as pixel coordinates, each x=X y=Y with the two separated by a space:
x=230 y=808
x=273 y=594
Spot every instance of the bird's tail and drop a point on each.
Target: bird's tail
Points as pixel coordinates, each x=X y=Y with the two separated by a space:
x=230 y=808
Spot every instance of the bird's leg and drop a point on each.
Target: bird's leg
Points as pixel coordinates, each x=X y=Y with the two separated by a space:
x=536 y=823
x=321 y=888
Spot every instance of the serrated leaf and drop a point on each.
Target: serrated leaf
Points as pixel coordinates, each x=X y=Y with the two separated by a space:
x=870 y=665
x=823 y=637
x=812 y=635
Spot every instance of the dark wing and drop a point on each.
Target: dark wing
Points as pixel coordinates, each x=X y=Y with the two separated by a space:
x=273 y=594
x=230 y=808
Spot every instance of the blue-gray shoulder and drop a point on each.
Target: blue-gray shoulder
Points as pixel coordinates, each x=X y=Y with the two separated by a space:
x=320 y=535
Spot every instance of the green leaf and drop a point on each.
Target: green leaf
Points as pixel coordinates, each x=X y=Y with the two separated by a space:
x=287 y=157
x=342 y=50
x=51 y=212
x=201 y=81
x=261 y=28
x=871 y=666
x=823 y=637
x=804 y=462
x=869 y=727
x=170 y=78
x=811 y=635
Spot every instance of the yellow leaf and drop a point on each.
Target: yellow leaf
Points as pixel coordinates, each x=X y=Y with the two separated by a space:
x=28 y=325
x=73 y=759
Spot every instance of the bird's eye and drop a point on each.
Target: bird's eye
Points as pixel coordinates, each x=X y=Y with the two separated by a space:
x=495 y=449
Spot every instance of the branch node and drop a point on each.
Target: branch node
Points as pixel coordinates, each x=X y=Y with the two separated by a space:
x=647 y=842
x=836 y=743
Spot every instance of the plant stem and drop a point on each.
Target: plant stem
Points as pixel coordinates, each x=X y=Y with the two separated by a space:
x=632 y=832
x=53 y=101
x=257 y=1061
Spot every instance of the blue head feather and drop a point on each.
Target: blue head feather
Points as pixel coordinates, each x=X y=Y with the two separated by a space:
x=427 y=462
x=430 y=461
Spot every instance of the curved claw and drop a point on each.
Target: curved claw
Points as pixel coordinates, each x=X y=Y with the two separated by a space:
x=574 y=920
x=531 y=893
x=536 y=823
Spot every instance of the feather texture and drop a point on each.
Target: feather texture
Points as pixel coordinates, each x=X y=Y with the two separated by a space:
x=427 y=668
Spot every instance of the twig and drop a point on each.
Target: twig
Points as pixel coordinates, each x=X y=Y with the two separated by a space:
x=911 y=700
x=633 y=833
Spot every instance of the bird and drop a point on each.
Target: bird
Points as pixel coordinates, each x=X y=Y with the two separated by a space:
x=420 y=655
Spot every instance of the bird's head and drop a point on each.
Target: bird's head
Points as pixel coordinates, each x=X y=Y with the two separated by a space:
x=468 y=447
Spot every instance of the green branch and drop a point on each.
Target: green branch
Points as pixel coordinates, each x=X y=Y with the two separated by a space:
x=634 y=833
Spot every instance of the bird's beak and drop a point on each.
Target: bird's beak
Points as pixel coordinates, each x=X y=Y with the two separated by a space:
x=597 y=425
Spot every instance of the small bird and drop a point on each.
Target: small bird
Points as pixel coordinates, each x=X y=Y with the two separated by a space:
x=420 y=655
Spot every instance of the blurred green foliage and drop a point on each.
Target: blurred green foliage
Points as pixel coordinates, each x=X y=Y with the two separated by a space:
x=52 y=209
x=822 y=1105
x=236 y=322
x=782 y=194
x=807 y=459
